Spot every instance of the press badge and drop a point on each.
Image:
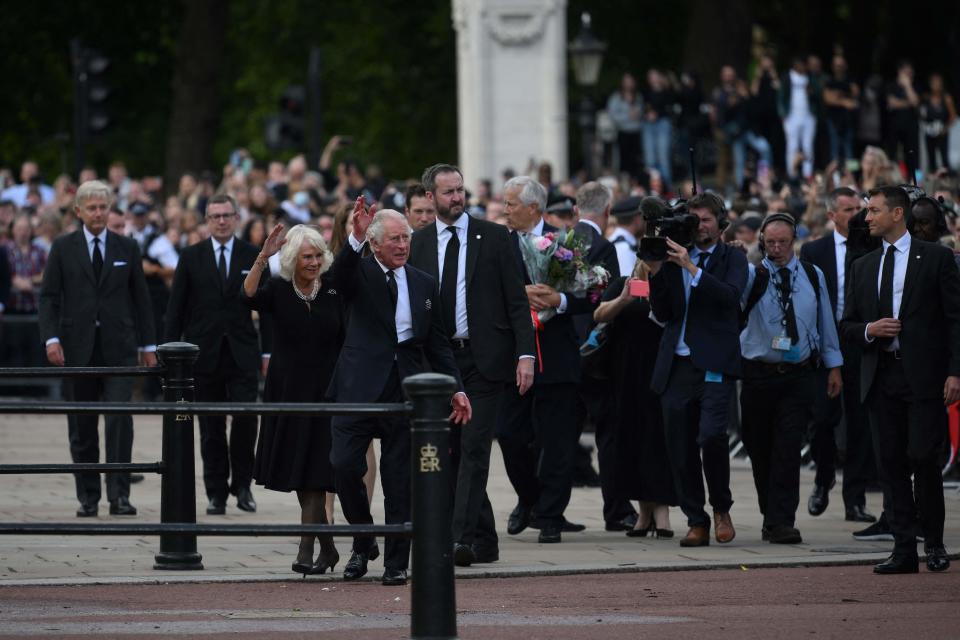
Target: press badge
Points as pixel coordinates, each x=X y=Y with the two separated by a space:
x=781 y=343
x=713 y=376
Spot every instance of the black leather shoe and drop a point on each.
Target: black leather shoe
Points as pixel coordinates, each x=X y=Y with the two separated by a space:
x=819 y=499
x=216 y=507
x=394 y=577
x=122 y=507
x=550 y=534
x=857 y=513
x=463 y=555
x=625 y=524
x=357 y=564
x=484 y=555
x=782 y=534
x=937 y=558
x=245 y=501
x=898 y=564
x=572 y=527
x=87 y=510
x=519 y=519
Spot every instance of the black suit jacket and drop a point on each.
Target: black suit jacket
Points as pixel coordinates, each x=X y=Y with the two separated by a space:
x=72 y=301
x=370 y=348
x=823 y=253
x=204 y=312
x=559 y=343
x=713 y=321
x=498 y=316
x=929 y=315
x=603 y=253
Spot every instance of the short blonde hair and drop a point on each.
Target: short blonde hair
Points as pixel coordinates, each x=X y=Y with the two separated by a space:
x=291 y=249
x=93 y=189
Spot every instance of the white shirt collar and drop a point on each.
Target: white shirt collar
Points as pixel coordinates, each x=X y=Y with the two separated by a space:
x=593 y=224
x=89 y=236
x=838 y=239
x=902 y=245
x=460 y=223
x=398 y=272
x=217 y=244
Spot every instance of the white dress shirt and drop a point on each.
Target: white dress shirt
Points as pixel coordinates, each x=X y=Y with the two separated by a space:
x=902 y=252
x=840 y=246
x=403 y=319
x=443 y=238
x=226 y=254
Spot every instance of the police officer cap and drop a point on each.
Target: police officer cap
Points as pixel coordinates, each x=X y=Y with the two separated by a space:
x=627 y=207
x=561 y=205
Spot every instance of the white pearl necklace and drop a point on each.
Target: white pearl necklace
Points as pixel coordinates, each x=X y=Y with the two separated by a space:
x=313 y=293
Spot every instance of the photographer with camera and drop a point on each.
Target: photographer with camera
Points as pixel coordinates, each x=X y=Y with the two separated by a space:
x=789 y=329
x=695 y=292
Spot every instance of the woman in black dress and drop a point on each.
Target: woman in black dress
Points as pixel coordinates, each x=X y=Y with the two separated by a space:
x=293 y=452
x=642 y=469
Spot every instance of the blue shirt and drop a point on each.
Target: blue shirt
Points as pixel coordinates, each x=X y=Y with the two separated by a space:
x=688 y=282
x=766 y=319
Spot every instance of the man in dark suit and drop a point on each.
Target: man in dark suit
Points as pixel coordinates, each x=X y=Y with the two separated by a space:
x=206 y=309
x=94 y=312
x=487 y=321
x=537 y=431
x=696 y=295
x=903 y=308
x=593 y=205
x=396 y=325
x=830 y=254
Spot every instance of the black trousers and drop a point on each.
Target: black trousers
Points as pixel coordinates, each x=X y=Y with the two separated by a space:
x=473 y=521
x=775 y=410
x=909 y=433
x=859 y=467
x=616 y=506
x=348 y=454
x=537 y=433
x=695 y=416
x=84 y=436
x=227 y=468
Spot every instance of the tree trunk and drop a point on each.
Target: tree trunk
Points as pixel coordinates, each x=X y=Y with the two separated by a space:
x=196 y=90
x=718 y=34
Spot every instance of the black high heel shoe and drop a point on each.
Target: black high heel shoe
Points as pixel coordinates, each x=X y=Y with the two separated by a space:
x=642 y=533
x=665 y=534
x=302 y=567
x=328 y=559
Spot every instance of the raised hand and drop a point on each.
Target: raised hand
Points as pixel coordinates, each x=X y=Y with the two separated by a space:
x=362 y=217
x=274 y=241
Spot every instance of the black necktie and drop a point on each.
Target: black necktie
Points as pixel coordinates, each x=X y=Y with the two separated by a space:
x=222 y=264
x=885 y=303
x=702 y=259
x=392 y=287
x=97 y=259
x=786 y=303
x=448 y=282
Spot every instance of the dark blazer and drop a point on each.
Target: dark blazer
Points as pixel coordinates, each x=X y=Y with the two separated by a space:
x=559 y=343
x=203 y=312
x=72 y=301
x=713 y=321
x=370 y=348
x=823 y=253
x=929 y=315
x=498 y=316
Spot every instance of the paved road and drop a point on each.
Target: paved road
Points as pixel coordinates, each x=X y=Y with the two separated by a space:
x=820 y=602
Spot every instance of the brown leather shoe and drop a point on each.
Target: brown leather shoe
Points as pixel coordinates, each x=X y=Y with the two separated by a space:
x=696 y=537
x=723 y=527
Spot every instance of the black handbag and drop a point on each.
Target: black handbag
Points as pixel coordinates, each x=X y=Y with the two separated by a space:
x=595 y=353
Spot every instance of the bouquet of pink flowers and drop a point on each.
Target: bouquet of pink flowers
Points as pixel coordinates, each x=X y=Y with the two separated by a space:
x=558 y=259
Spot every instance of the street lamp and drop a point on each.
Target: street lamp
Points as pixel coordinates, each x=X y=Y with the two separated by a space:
x=586 y=53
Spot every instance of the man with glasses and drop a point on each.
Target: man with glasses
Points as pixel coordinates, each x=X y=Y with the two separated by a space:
x=205 y=309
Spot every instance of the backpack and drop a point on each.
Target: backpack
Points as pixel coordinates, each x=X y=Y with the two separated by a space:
x=759 y=287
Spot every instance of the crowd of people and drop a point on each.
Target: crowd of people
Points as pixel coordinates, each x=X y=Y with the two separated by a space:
x=334 y=282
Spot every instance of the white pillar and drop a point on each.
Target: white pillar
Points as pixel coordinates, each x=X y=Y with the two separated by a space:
x=511 y=86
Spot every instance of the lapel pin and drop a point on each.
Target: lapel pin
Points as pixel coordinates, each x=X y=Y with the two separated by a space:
x=478 y=236
x=429 y=304
x=332 y=292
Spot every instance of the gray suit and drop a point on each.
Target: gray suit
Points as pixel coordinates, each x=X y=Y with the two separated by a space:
x=99 y=323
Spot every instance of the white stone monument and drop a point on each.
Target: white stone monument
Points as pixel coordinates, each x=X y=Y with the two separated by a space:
x=511 y=86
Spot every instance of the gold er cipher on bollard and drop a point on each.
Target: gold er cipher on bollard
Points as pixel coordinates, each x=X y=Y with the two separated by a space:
x=429 y=462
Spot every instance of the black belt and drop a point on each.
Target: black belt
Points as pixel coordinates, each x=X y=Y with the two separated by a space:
x=459 y=344
x=896 y=354
x=776 y=368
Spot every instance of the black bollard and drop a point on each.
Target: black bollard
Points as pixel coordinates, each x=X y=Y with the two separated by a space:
x=433 y=610
x=178 y=497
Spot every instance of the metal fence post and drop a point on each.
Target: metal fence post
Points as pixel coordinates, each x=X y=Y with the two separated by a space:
x=433 y=610
x=178 y=499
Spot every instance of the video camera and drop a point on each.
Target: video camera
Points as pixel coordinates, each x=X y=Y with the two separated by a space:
x=665 y=221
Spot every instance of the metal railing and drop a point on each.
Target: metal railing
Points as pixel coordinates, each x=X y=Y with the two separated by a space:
x=433 y=602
